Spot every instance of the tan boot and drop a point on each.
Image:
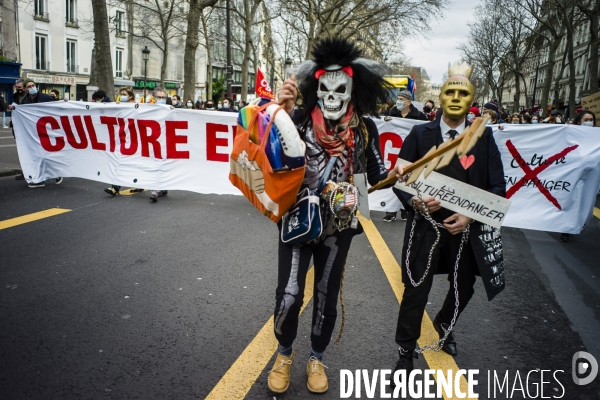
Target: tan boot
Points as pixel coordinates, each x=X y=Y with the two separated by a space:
x=317 y=380
x=279 y=376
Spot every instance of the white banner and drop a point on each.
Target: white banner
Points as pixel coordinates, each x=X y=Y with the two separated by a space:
x=552 y=171
x=150 y=147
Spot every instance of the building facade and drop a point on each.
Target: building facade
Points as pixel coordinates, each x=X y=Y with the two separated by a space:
x=56 y=44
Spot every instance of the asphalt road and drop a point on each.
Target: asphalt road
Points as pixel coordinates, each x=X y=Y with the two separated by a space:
x=120 y=298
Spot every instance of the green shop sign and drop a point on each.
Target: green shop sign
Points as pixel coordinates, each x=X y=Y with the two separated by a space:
x=145 y=84
x=154 y=84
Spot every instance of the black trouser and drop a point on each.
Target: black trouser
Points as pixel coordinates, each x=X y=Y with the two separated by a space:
x=414 y=299
x=329 y=257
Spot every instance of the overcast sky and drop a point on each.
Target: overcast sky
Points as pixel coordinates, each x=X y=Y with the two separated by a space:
x=434 y=52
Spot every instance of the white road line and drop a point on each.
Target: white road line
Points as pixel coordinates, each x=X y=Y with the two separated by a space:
x=7 y=137
x=8 y=145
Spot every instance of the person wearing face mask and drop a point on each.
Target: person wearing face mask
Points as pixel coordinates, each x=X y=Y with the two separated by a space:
x=339 y=88
x=535 y=119
x=199 y=103
x=189 y=104
x=176 y=101
x=209 y=105
x=220 y=105
x=34 y=96
x=429 y=110
x=454 y=252
x=473 y=113
x=55 y=94
x=227 y=106
x=585 y=118
x=404 y=108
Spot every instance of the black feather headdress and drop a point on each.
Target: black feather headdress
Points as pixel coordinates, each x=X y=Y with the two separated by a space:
x=369 y=87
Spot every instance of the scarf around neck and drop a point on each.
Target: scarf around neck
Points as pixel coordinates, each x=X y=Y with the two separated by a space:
x=333 y=143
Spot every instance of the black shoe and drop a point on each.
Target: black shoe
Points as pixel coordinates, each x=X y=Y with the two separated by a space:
x=20 y=177
x=112 y=191
x=405 y=362
x=450 y=344
x=565 y=237
x=37 y=185
x=403 y=215
x=389 y=217
x=58 y=180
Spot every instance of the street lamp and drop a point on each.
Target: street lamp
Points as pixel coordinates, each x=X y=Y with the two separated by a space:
x=145 y=57
x=229 y=66
x=288 y=65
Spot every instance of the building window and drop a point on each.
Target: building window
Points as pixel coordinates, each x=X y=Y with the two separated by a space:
x=41 y=55
x=119 y=63
x=120 y=23
x=71 y=57
x=40 y=9
x=71 y=12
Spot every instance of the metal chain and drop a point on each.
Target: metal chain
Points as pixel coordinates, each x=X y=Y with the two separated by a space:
x=465 y=236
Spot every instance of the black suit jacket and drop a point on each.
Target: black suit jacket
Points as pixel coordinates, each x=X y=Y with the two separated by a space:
x=486 y=173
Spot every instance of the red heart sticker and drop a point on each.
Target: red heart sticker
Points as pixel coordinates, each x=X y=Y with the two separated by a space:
x=467 y=161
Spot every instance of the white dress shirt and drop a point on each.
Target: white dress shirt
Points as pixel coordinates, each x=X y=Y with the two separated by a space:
x=444 y=128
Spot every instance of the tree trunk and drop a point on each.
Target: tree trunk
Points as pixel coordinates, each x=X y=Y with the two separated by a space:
x=209 y=72
x=189 y=56
x=163 y=66
x=517 y=94
x=571 y=72
x=557 y=81
x=93 y=69
x=130 y=20
x=102 y=41
x=548 y=75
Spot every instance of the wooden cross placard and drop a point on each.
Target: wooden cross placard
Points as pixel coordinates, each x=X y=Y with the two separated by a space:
x=440 y=157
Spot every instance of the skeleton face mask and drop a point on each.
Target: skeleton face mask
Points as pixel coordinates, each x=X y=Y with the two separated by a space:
x=335 y=91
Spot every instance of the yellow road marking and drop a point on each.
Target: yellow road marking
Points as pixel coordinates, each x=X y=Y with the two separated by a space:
x=435 y=360
x=9 y=223
x=240 y=378
x=128 y=192
x=597 y=212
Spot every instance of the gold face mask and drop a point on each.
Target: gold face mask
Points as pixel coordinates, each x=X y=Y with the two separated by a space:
x=456 y=97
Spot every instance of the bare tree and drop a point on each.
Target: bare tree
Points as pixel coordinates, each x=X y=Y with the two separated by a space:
x=485 y=50
x=317 y=18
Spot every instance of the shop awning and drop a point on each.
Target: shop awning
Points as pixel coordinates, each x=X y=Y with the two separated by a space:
x=124 y=82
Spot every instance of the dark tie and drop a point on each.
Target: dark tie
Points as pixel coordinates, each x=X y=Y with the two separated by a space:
x=452 y=133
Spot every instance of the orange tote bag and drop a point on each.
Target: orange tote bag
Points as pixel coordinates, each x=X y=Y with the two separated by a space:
x=272 y=193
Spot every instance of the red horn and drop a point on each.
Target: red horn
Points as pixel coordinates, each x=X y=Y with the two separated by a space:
x=348 y=69
x=319 y=73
